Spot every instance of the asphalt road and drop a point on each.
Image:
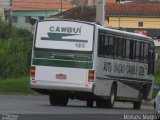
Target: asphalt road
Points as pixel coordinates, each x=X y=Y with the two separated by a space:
x=38 y=108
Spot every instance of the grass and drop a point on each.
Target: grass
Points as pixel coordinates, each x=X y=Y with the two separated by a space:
x=21 y=86
x=15 y=86
x=157 y=81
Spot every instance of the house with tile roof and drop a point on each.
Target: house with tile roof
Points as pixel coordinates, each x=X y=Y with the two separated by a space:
x=86 y=13
x=134 y=17
x=26 y=10
x=141 y=18
x=88 y=2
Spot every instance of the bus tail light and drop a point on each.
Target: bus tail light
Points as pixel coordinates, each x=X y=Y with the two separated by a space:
x=91 y=76
x=32 y=71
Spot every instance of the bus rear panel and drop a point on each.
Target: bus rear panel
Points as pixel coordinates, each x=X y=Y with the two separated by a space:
x=62 y=57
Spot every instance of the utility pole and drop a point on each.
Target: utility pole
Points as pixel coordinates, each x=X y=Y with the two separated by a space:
x=82 y=6
x=100 y=12
x=10 y=20
x=61 y=6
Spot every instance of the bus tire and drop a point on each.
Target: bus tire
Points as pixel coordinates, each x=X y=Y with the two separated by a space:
x=90 y=103
x=101 y=103
x=58 y=100
x=112 y=97
x=137 y=104
x=51 y=100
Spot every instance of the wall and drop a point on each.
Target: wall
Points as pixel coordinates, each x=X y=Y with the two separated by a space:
x=132 y=22
x=34 y=14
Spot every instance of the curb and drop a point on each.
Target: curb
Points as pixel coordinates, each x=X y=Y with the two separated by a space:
x=148 y=103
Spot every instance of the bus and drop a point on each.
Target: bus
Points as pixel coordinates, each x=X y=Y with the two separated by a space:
x=82 y=60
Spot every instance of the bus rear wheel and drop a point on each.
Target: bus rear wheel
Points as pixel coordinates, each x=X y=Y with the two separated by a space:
x=101 y=103
x=90 y=103
x=56 y=100
x=137 y=104
x=113 y=93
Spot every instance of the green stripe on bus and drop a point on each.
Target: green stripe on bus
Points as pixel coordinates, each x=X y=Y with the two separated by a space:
x=58 y=63
x=59 y=37
x=62 y=56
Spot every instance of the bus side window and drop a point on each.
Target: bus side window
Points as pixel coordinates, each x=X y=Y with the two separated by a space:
x=132 y=50
x=120 y=47
x=111 y=46
x=115 y=46
x=151 y=56
x=101 y=45
x=106 y=45
x=142 y=52
x=124 y=48
x=127 y=49
x=145 y=52
x=137 y=51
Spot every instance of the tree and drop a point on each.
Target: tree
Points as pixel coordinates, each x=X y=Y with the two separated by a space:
x=144 y=1
x=3 y=29
x=33 y=21
x=120 y=0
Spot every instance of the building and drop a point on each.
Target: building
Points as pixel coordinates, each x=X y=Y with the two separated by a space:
x=140 y=18
x=86 y=13
x=88 y=2
x=26 y=10
x=4 y=8
x=135 y=17
x=144 y=1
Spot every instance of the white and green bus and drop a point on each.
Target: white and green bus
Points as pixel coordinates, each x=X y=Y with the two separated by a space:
x=85 y=61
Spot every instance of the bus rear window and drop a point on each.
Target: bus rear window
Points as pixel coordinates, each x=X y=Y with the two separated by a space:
x=64 y=35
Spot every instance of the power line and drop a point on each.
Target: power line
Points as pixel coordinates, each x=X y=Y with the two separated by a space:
x=4 y=1
x=39 y=2
x=40 y=8
x=133 y=20
x=5 y=5
x=44 y=2
x=64 y=3
x=35 y=2
x=34 y=15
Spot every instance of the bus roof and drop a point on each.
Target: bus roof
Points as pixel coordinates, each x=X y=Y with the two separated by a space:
x=126 y=34
x=118 y=32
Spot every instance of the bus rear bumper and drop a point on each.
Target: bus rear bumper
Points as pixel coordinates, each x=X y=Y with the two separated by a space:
x=62 y=87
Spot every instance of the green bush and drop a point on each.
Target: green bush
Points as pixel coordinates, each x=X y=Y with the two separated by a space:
x=15 y=53
x=22 y=34
x=14 y=58
x=25 y=35
x=157 y=68
x=4 y=32
x=16 y=86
